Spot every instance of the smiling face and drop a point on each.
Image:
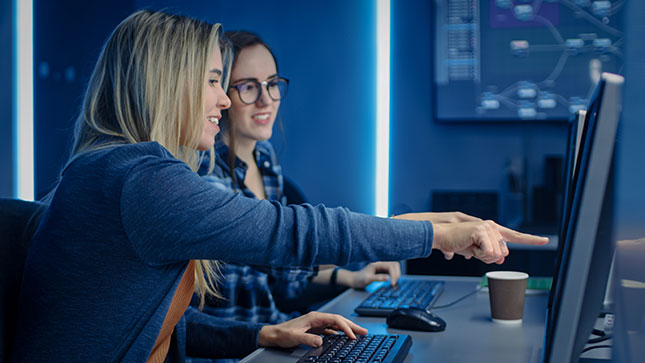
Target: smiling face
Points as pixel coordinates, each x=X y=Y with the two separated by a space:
x=215 y=100
x=253 y=122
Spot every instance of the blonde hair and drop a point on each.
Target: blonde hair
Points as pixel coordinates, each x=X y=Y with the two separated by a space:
x=148 y=81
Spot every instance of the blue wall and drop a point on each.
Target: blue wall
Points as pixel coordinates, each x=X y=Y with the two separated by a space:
x=68 y=36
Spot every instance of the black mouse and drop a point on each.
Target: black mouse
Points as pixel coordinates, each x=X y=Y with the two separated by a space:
x=410 y=318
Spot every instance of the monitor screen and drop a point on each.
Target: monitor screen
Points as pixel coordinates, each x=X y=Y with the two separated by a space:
x=519 y=60
x=586 y=247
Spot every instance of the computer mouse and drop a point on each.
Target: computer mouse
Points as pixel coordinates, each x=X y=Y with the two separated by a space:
x=410 y=318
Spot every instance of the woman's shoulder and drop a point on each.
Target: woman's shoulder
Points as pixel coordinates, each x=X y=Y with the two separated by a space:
x=140 y=149
x=119 y=158
x=106 y=169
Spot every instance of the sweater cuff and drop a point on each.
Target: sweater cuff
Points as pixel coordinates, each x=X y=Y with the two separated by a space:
x=211 y=337
x=430 y=244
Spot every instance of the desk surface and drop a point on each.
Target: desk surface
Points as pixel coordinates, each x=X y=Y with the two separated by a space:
x=470 y=335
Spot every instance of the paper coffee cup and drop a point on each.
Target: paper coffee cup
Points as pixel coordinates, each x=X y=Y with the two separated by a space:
x=506 y=290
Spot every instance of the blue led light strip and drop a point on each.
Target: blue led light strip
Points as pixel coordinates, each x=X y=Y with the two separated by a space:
x=382 y=108
x=24 y=101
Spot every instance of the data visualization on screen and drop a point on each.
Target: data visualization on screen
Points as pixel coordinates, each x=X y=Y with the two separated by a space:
x=522 y=60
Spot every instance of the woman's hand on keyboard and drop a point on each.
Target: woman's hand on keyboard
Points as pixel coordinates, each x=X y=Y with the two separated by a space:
x=375 y=271
x=306 y=329
x=484 y=240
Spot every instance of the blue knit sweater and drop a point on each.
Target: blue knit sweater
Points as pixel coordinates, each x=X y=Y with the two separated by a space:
x=123 y=224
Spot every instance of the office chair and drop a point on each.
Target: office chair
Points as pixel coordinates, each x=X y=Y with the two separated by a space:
x=18 y=222
x=292 y=192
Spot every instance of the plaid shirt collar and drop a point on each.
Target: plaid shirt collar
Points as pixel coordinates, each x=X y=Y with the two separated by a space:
x=266 y=161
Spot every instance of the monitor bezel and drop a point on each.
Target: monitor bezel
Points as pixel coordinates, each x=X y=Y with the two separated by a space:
x=577 y=125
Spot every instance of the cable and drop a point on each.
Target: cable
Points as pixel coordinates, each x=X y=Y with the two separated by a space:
x=458 y=300
x=598 y=332
x=600 y=339
x=595 y=347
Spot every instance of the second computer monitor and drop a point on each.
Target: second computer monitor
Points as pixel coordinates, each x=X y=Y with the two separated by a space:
x=587 y=246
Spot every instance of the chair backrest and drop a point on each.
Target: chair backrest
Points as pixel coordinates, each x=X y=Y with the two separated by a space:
x=18 y=222
x=292 y=192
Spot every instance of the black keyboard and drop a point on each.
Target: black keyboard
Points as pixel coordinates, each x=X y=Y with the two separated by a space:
x=416 y=293
x=391 y=348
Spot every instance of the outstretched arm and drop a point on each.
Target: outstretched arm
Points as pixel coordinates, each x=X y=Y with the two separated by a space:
x=472 y=237
x=438 y=217
x=170 y=214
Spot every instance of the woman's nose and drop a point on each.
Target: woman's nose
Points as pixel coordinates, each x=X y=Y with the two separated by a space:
x=264 y=98
x=224 y=101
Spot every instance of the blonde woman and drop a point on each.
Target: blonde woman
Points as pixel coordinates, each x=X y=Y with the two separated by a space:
x=120 y=249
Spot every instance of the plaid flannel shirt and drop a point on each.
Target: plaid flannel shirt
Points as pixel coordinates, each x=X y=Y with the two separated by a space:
x=248 y=290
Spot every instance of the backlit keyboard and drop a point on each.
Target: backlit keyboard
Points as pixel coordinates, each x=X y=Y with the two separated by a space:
x=416 y=293
x=391 y=348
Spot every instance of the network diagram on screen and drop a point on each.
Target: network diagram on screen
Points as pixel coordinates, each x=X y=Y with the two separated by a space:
x=522 y=60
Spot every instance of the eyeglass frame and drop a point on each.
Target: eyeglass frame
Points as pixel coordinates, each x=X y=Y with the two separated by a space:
x=263 y=84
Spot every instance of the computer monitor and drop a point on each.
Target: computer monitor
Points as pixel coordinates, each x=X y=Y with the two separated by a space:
x=587 y=247
x=521 y=60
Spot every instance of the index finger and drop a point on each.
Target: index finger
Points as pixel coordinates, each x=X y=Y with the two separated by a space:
x=395 y=273
x=510 y=235
x=349 y=327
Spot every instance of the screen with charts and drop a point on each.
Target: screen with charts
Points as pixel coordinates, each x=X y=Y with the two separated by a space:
x=522 y=60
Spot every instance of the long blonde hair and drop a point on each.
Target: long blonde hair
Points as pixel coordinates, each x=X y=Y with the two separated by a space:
x=148 y=81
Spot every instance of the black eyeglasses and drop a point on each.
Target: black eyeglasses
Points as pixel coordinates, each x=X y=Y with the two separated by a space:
x=250 y=91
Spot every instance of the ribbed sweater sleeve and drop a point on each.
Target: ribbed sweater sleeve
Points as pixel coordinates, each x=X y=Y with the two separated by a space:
x=208 y=336
x=170 y=214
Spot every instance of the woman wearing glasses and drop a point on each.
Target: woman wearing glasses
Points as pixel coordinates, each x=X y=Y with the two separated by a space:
x=246 y=162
